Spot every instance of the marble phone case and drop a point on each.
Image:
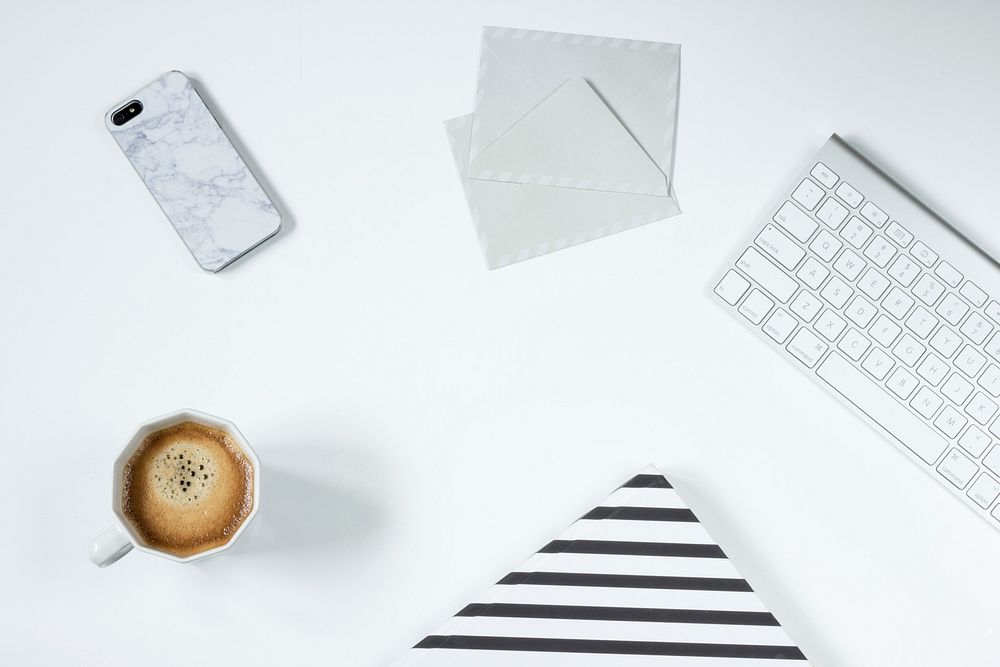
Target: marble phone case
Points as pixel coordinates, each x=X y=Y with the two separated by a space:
x=194 y=172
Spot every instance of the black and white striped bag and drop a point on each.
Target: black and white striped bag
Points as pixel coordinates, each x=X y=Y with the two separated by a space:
x=634 y=581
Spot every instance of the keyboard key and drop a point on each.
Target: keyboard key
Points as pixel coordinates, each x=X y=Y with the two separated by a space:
x=825 y=245
x=928 y=290
x=977 y=328
x=880 y=251
x=974 y=441
x=853 y=344
x=950 y=422
x=837 y=292
x=806 y=306
x=832 y=212
x=993 y=347
x=904 y=270
x=957 y=468
x=732 y=287
x=795 y=222
x=992 y=460
x=829 y=325
x=898 y=233
x=849 y=264
x=908 y=350
x=984 y=491
x=861 y=312
x=850 y=195
x=901 y=383
x=971 y=291
x=813 y=273
x=926 y=402
x=924 y=255
x=993 y=311
x=780 y=326
x=948 y=273
x=990 y=381
x=824 y=175
x=874 y=214
x=951 y=308
x=981 y=408
x=756 y=306
x=921 y=322
x=878 y=363
x=969 y=361
x=946 y=342
x=808 y=194
x=932 y=369
x=895 y=419
x=874 y=284
x=898 y=303
x=767 y=275
x=856 y=233
x=956 y=389
x=806 y=347
x=780 y=247
x=885 y=330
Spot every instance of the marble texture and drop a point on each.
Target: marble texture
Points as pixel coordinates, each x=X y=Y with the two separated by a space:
x=195 y=174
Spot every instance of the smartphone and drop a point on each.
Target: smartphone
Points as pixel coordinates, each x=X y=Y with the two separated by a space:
x=193 y=171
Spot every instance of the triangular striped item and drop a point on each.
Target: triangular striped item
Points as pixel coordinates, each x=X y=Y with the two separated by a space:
x=635 y=581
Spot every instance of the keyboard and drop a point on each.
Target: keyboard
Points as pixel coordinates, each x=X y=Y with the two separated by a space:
x=878 y=300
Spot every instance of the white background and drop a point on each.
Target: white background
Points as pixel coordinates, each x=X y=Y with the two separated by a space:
x=426 y=424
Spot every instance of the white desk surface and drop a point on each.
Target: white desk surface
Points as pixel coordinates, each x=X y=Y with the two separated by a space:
x=424 y=423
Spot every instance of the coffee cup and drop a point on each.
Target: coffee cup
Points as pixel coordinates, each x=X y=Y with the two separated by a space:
x=185 y=487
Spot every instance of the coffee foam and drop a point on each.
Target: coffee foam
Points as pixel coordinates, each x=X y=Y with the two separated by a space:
x=187 y=489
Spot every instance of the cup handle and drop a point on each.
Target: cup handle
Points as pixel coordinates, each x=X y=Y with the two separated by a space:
x=109 y=546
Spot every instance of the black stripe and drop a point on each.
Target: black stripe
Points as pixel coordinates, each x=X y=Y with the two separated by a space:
x=642 y=514
x=585 y=613
x=633 y=548
x=608 y=646
x=626 y=581
x=647 y=482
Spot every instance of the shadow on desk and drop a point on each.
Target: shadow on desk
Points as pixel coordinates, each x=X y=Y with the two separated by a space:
x=318 y=505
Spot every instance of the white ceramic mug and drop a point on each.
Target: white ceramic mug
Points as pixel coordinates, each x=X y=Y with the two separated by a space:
x=121 y=538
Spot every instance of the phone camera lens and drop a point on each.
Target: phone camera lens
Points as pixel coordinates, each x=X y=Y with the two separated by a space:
x=127 y=113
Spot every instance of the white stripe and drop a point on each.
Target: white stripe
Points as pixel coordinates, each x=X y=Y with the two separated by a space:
x=660 y=566
x=629 y=497
x=444 y=657
x=624 y=597
x=638 y=531
x=635 y=631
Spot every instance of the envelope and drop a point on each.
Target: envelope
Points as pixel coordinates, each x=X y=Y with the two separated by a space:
x=572 y=138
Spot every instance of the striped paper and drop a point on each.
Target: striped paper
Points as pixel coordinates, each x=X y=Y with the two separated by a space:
x=635 y=581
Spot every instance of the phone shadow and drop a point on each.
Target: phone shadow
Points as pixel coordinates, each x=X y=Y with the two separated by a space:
x=318 y=507
x=288 y=221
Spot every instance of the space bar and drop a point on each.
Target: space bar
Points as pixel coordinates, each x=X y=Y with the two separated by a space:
x=882 y=408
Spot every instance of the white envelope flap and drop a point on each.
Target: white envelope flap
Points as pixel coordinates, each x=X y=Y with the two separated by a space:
x=571 y=140
x=637 y=80
x=516 y=221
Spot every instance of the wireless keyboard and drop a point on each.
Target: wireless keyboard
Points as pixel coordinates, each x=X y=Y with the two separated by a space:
x=875 y=297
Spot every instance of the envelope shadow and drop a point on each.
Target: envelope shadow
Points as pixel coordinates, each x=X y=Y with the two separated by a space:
x=312 y=510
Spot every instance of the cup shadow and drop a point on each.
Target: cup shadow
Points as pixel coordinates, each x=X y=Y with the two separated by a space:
x=314 y=506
